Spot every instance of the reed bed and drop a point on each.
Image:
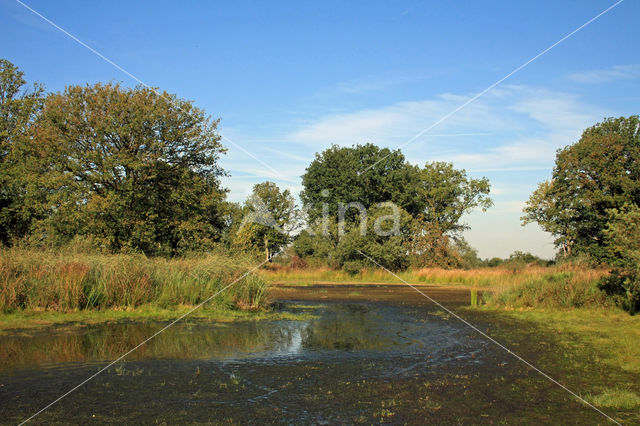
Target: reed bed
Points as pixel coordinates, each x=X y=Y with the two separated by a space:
x=42 y=280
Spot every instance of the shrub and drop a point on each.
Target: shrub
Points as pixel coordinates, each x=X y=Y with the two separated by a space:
x=624 y=288
x=352 y=267
x=297 y=263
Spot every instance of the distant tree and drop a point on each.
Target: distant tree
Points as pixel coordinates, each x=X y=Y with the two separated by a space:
x=270 y=216
x=385 y=239
x=135 y=169
x=547 y=206
x=466 y=255
x=19 y=106
x=494 y=262
x=363 y=173
x=524 y=257
x=448 y=194
x=598 y=173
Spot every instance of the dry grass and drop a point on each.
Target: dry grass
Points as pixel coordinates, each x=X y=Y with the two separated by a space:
x=563 y=286
x=37 y=280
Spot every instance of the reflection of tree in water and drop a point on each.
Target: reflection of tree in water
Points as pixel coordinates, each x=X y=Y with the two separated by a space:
x=108 y=341
x=341 y=326
x=347 y=327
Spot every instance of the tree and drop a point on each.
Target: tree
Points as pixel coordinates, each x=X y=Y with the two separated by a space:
x=598 y=173
x=19 y=107
x=385 y=238
x=135 y=169
x=623 y=243
x=448 y=194
x=547 y=206
x=365 y=174
x=270 y=218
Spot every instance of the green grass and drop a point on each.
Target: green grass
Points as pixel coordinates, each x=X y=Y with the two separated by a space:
x=38 y=319
x=612 y=333
x=618 y=397
x=554 y=289
x=594 y=351
x=67 y=282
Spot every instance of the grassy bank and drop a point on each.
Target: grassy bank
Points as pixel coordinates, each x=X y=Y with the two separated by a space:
x=33 y=281
x=595 y=351
x=528 y=286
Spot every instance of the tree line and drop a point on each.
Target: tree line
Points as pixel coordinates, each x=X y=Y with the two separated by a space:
x=131 y=169
x=134 y=169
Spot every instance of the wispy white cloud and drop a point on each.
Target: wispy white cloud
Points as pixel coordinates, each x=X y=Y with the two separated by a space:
x=374 y=82
x=517 y=127
x=395 y=124
x=616 y=72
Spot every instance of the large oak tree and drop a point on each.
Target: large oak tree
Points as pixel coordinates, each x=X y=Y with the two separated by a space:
x=133 y=168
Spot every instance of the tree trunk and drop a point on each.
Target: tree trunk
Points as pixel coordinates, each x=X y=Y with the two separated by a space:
x=266 y=248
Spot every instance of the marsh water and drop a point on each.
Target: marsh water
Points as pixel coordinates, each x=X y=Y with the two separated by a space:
x=354 y=354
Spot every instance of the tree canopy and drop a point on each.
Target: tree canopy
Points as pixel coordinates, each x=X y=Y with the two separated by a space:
x=432 y=201
x=363 y=173
x=598 y=173
x=270 y=216
x=19 y=106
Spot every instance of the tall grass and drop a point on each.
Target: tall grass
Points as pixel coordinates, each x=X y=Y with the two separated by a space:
x=495 y=278
x=562 y=286
x=555 y=289
x=40 y=280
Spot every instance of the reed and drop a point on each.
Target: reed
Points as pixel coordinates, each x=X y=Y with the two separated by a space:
x=43 y=280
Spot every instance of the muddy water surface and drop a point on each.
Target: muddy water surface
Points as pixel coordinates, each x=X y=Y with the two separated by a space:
x=373 y=353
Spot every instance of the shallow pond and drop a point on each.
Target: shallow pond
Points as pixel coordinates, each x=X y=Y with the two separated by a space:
x=360 y=354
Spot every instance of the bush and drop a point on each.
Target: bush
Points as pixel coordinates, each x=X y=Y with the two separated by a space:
x=297 y=263
x=624 y=288
x=352 y=267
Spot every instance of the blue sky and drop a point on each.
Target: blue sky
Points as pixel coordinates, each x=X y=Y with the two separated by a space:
x=290 y=78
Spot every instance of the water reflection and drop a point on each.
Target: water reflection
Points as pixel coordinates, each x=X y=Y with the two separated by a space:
x=336 y=328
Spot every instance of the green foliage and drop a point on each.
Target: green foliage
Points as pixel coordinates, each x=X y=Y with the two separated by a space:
x=623 y=243
x=134 y=169
x=18 y=109
x=337 y=175
x=269 y=218
x=448 y=194
x=352 y=267
x=526 y=258
x=547 y=207
x=384 y=240
x=598 y=173
x=494 y=262
x=432 y=200
x=303 y=245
